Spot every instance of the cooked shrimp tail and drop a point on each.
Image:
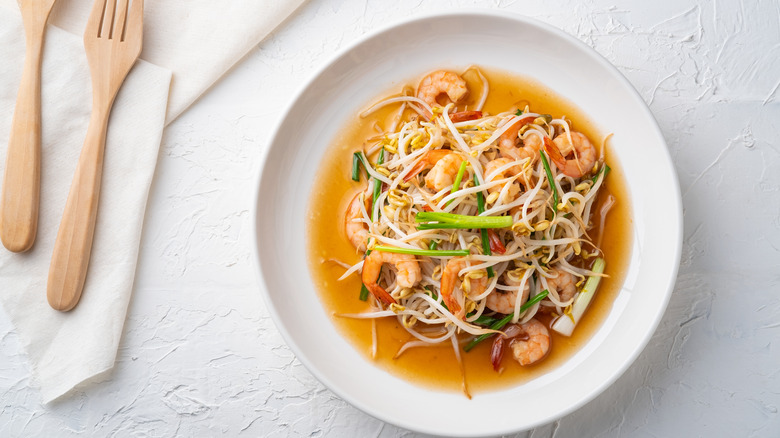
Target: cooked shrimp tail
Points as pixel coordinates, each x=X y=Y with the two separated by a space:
x=448 y=280
x=380 y=294
x=553 y=152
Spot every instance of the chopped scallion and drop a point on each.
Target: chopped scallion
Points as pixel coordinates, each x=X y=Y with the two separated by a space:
x=565 y=325
x=432 y=246
x=480 y=197
x=485 y=243
x=483 y=232
x=550 y=180
x=436 y=220
x=377 y=187
x=364 y=162
x=356 y=159
x=363 y=292
x=458 y=178
x=605 y=170
x=484 y=320
x=423 y=252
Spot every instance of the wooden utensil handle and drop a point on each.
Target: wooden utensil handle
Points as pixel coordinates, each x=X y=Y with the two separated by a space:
x=21 y=183
x=73 y=246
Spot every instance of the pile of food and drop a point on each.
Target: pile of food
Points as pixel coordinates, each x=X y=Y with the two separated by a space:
x=476 y=226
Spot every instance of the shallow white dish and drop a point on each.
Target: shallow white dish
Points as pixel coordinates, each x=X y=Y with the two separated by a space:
x=354 y=78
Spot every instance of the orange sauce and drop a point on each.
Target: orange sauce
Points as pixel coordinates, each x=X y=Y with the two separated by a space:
x=437 y=367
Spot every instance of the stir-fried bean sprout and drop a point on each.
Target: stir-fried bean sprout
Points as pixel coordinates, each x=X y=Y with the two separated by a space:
x=470 y=221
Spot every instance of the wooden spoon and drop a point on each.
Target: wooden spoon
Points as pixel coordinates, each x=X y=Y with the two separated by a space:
x=22 y=181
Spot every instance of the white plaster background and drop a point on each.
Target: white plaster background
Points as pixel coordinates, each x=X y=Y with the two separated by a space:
x=201 y=357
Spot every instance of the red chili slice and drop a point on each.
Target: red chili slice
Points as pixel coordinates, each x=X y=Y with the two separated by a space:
x=497 y=352
x=465 y=115
x=496 y=245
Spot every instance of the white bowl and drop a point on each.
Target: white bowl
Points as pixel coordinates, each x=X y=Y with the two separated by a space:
x=385 y=59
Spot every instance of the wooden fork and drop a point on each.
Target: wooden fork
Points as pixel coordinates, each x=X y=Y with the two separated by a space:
x=113 y=42
x=22 y=180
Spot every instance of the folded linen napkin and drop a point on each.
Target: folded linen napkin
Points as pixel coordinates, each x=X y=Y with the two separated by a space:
x=198 y=40
x=67 y=348
x=193 y=41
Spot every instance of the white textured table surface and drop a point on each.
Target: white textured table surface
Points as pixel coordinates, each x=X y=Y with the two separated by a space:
x=201 y=357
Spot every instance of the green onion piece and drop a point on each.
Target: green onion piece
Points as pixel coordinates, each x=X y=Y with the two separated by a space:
x=550 y=180
x=486 y=250
x=432 y=246
x=459 y=225
x=480 y=197
x=356 y=166
x=519 y=113
x=364 y=161
x=485 y=242
x=484 y=320
x=483 y=232
x=436 y=220
x=377 y=187
x=363 y=292
x=458 y=178
x=498 y=325
x=423 y=252
x=605 y=170
x=565 y=325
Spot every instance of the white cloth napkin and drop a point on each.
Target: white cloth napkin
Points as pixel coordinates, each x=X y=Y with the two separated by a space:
x=198 y=40
x=67 y=348
x=190 y=44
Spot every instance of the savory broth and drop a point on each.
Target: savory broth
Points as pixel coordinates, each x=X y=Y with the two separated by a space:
x=437 y=366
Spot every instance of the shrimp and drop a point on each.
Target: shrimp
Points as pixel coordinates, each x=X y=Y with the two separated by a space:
x=442 y=82
x=504 y=301
x=490 y=170
x=583 y=151
x=563 y=284
x=533 y=343
x=356 y=229
x=444 y=165
x=510 y=145
x=408 y=272
x=449 y=278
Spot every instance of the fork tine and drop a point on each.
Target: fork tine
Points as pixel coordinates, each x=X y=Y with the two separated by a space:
x=121 y=21
x=95 y=19
x=108 y=19
x=135 y=19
